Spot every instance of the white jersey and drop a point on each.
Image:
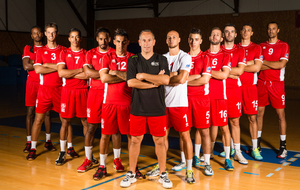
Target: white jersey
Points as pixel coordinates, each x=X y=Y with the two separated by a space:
x=176 y=96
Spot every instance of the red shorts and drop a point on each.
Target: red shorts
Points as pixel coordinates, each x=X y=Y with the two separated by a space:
x=32 y=88
x=139 y=125
x=73 y=103
x=249 y=97
x=115 y=118
x=234 y=102
x=271 y=91
x=199 y=111
x=177 y=117
x=219 y=115
x=48 y=98
x=94 y=105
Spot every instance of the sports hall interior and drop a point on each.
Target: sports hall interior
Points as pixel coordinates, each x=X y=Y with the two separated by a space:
x=161 y=16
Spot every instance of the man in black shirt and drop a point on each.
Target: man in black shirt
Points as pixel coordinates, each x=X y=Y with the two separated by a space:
x=147 y=72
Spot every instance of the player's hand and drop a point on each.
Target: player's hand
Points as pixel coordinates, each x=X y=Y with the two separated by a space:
x=173 y=73
x=161 y=72
x=139 y=76
x=112 y=72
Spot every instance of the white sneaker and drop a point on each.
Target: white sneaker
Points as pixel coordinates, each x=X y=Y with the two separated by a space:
x=179 y=167
x=207 y=170
x=154 y=172
x=165 y=181
x=128 y=180
x=239 y=157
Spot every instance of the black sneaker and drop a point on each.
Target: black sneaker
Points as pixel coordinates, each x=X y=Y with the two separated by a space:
x=71 y=152
x=101 y=172
x=28 y=147
x=94 y=160
x=49 y=146
x=61 y=159
x=31 y=155
x=138 y=174
x=258 y=143
x=282 y=151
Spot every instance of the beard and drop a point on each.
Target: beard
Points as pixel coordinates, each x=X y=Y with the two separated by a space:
x=215 y=43
x=103 y=46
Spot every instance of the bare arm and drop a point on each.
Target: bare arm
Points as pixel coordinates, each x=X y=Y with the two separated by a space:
x=28 y=64
x=39 y=69
x=222 y=74
x=135 y=83
x=204 y=79
x=180 y=78
x=120 y=74
x=275 y=64
x=233 y=76
x=67 y=73
x=50 y=65
x=253 y=68
x=237 y=71
x=90 y=72
x=81 y=76
x=264 y=67
x=157 y=80
x=193 y=77
x=107 y=78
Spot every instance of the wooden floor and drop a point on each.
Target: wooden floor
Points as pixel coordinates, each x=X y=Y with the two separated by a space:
x=18 y=173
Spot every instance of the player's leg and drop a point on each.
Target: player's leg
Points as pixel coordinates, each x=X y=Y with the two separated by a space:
x=253 y=132
x=65 y=122
x=213 y=137
x=206 y=147
x=48 y=144
x=260 y=119
x=226 y=133
x=29 y=122
x=282 y=131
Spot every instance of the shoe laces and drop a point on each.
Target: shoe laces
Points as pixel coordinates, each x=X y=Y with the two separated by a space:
x=207 y=167
x=181 y=163
x=189 y=173
x=100 y=170
x=165 y=178
x=127 y=177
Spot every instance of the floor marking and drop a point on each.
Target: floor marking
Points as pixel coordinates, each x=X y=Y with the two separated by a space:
x=221 y=168
x=16 y=136
x=285 y=163
x=142 y=156
x=42 y=140
x=292 y=159
x=120 y=176
x=270 y=174
x=4 y=134
x=250 y=173
x=278 y=169
x=56 y=142
x=123 y=153
x=297 y=155
x=176 y=161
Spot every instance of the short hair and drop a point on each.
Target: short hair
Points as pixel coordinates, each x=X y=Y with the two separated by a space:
x=146 y=30
x=75 y=30
x=121 y=32
x=35 y=27
x=216 y=28
x=247 y=24
x=273 y=22
x=196 y=31
x=231 y=25
x=102 y=29
x=51 y=25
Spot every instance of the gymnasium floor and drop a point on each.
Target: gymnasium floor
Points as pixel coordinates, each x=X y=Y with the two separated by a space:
x=18 y=173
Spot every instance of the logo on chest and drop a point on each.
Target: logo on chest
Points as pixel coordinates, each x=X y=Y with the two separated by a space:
x=153 y=63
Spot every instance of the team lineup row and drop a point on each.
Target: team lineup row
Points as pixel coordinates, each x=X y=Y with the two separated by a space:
x=205 y=90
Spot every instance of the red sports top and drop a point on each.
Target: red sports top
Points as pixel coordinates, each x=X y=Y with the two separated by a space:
x=32 y=75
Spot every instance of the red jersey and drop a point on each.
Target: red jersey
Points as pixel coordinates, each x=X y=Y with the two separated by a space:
x=49 y=55
x=253 y=52
x=73 y=60
x=201 y=64
x=238 y=56
x=32 y=75
x=116 y=93
x=274 y=52
x=93 y=57
x=217 y=88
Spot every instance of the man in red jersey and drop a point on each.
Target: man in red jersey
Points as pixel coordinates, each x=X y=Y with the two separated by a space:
x=271 y=82
x=91 y=68
x=74 y=91
x=221 y=67
x=249 y=81
x=32 y=83
x=49 y=93
x=233 y=90
x=117 y=98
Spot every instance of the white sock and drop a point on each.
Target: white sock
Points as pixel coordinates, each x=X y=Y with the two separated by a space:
x=197 y=149
x=48 y=137
x=206 y=159
x=227 y=152
x=237 y=146
x=88 y=152
x=259 y=134
x=103 y=158
x=282 y=137
x=182 y=157
x=232 y=144
x=254 y=144
x=28 y=138
x=63 y=144
x=33 y=144
x=189 y=164
x=70 y=145
x=117 y=153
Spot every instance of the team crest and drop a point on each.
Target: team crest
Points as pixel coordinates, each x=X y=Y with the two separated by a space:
x=188 y=65
x=95 y=56
x=153 y=63
x=261 y=57
x=113 y=61
x=229 y=64
x=264 y=47
x=287 y=55
x=69 y=55
x=208 y=69
x=244 y=59
x=45 y=52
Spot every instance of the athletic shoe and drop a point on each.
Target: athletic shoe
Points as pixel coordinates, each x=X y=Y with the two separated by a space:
x=239 y=157
x=282 y=151
x=118 y=165
x=202 y=157
x=207 y=170
x=222 y=154
x=165 y=181
x=87 y=164
x=94 y=160
x=228 y=165
x=190 y=176
x=138 y=174
x=154 y=172
x=196 y=161
x=179 y=167
x=101 y=172
x=71 y=152
x=256 y=154
x=61 y=159
x=258 y=143
x=49 y=146
x=28 y=147
x=31 y=155
x=128 y=180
